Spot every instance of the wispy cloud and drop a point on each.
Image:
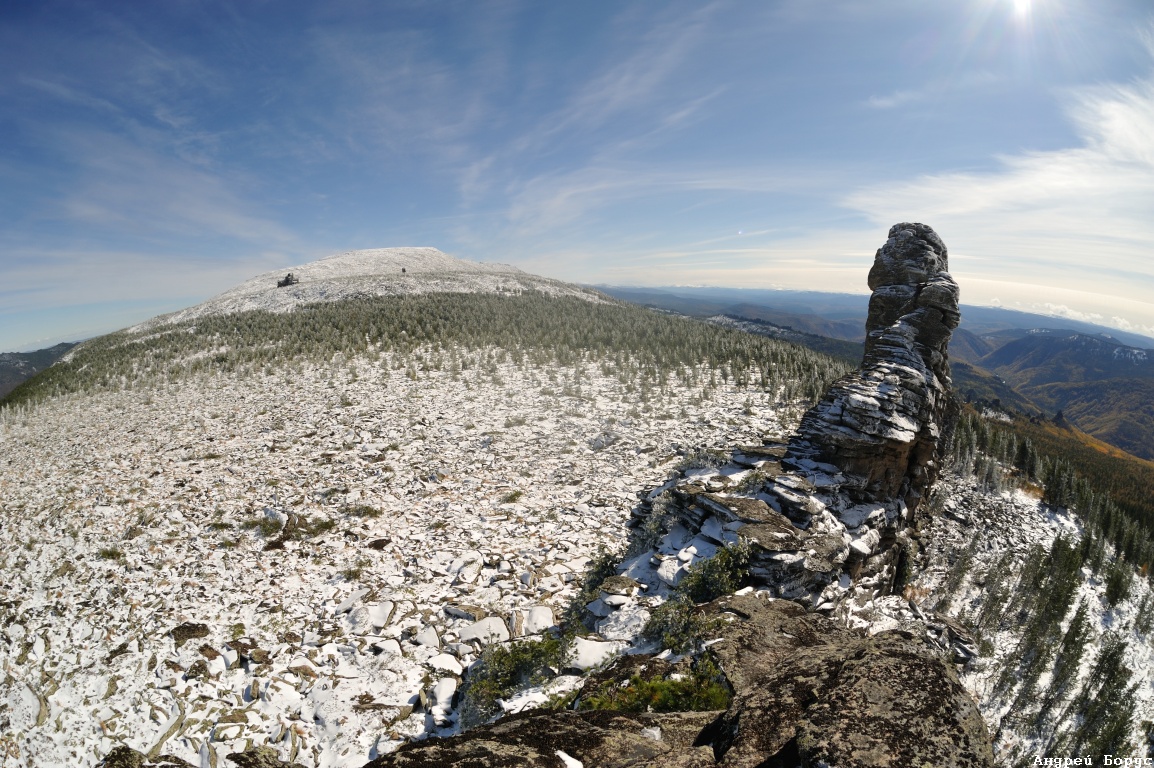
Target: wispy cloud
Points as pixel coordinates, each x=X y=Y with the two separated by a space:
x=552 y=201
x=895 y=99
x=632 y=79
x=939 y=88
x=137 y=191
x=65 y=93
x=637 y=93
x=1050 y=217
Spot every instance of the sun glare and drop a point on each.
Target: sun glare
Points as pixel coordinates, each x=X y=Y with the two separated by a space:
x=1021 y=7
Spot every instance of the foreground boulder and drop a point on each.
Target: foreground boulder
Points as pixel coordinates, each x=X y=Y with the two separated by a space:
x=806 y=692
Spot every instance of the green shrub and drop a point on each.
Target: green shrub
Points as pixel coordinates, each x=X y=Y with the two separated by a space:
x=601 y=567
x=751 y=482
x=354 y=572
x=703 y=691
x=703 y=458
x=299 y=528
x=716 y=576
x=266 y=525
x=678 y=625
x=364 y=510
x=652 y=529
x=502 y=671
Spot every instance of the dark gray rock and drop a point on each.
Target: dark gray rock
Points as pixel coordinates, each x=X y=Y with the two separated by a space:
x=809 y=690
x=260 y=757
x=182 y=633
x=806 y=692
x=596 y=738
x=882 y=424
x=127 y=757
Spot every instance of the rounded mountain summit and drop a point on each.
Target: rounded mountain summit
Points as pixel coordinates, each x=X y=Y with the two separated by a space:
x=371 y=272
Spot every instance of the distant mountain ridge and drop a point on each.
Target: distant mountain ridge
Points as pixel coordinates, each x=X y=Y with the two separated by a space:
x=1100 y=378
x=1045 y=356
x=1104 y=387
x=842 y=314
x=16 y=367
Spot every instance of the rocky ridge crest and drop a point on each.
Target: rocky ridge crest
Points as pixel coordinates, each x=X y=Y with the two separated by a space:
x=826 y=518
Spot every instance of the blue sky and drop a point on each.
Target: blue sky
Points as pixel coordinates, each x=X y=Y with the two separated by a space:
x=155 y=154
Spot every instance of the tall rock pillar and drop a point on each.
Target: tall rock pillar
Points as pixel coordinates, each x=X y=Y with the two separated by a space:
x=882 y=424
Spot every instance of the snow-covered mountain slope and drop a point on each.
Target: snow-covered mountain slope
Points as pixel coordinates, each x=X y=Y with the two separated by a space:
x=372 y=272
x=1067 y=653
x=308 y=547
x=143 y=605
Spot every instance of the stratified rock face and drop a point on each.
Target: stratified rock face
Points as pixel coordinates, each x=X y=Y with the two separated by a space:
x=881 y=425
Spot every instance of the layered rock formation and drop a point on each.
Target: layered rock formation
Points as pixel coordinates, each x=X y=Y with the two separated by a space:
x=882 y=424
x=831 y=507
x=826 y=665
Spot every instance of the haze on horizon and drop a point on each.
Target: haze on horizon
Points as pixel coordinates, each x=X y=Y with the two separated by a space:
x=153 y=155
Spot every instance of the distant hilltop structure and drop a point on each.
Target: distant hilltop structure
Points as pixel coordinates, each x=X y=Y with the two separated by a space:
x=289 y=279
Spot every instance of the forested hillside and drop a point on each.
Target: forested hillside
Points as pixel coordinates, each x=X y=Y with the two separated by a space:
x=545 y=328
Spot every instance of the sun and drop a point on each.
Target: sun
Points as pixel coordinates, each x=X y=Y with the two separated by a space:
x=1021 y=7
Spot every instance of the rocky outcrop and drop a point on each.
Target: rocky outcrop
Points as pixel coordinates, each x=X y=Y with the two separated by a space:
x=881 y=425
x=829 y=510
x=806 y=691
x=810 y=692
x=826 y=665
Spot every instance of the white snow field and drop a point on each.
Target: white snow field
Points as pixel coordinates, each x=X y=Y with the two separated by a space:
x=372 y=272
x=428 y=507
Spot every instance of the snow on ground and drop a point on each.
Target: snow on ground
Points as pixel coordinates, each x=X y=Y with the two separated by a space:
x=372 y=272
x=425 y=517
x=994 y=524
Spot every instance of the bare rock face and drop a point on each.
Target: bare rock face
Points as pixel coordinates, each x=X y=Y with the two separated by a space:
x=810 y=692
x=806 y=691
x=881 y=425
